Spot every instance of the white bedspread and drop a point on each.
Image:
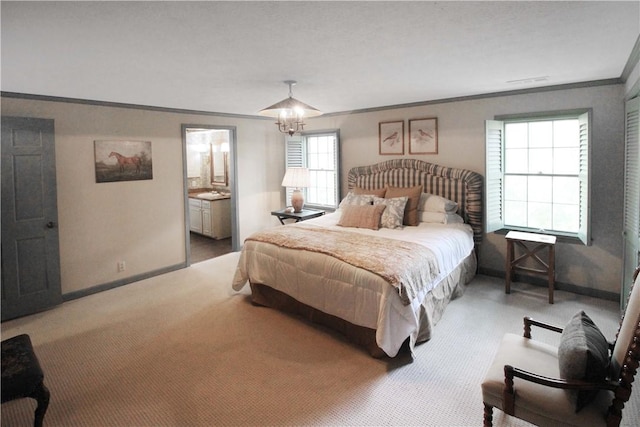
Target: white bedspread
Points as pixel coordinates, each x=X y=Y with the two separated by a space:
x=348 y=292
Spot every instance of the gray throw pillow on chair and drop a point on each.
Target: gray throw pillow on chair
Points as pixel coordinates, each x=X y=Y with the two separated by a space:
x=583 y=354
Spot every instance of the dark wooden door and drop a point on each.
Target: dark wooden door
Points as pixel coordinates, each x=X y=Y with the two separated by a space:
x=30 y=251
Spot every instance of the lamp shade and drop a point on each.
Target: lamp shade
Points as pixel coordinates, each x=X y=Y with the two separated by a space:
x=288 y=108
x=296 y=178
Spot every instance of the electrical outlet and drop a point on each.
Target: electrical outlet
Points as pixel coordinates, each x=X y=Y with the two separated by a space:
x=121 y=266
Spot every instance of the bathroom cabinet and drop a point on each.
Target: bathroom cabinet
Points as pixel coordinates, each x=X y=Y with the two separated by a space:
x=210 y=217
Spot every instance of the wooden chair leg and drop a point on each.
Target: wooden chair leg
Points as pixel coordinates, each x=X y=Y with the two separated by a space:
x=42 y=397
x=488 y=415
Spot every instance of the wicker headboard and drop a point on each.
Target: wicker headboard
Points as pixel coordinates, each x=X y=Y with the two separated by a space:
x=460 y=185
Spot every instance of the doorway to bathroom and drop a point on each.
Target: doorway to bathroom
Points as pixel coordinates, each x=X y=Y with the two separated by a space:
x=210 y=199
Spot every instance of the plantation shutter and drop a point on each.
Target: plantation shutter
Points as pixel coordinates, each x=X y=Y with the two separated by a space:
x=494 y=181
x=336 y=174
x=631 y=214
x=295 y=156
x=584 y=231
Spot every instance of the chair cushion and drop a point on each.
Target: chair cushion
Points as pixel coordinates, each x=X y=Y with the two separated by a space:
x=535 y=403
x=21 y=372
x=583 y=354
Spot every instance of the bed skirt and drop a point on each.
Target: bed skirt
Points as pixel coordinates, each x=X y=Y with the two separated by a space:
x=431 y=309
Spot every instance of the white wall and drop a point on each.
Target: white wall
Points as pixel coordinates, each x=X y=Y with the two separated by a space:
x=461 y=144
x=142 y=222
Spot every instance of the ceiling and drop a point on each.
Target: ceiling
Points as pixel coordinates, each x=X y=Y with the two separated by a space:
x=232 y=57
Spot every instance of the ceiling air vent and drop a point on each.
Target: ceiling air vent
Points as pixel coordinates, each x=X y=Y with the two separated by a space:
x=529 y=80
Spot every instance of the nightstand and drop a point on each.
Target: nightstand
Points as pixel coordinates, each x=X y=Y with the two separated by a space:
x=299 y=216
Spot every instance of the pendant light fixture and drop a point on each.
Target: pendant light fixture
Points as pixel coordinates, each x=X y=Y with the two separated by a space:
x=290 y=112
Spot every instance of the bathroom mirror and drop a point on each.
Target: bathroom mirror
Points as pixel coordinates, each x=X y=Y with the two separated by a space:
x=219 y=166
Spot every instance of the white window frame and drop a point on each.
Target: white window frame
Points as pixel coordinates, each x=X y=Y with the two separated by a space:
x=297 y=155
x=495 y=172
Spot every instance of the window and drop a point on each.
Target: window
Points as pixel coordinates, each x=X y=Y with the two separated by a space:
x=538 y=174
x=320 y=152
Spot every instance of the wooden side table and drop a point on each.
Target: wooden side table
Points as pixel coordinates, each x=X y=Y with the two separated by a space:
x=531 y=244
x=303 y=215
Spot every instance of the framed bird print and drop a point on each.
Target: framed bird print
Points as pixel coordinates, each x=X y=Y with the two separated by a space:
x=423 y=136
x=391 y=137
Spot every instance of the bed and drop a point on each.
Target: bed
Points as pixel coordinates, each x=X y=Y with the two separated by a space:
x=381 y=287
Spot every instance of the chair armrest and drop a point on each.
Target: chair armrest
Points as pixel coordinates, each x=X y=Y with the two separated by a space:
x=511 y=372
x=528 y=322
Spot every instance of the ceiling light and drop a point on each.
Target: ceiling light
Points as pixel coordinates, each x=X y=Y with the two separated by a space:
x=290 y=112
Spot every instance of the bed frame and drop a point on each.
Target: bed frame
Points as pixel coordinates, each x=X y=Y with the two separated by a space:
x=460 y=185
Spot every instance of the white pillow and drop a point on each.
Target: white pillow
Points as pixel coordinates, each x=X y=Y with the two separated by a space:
x=356 y=199
x=433 y=203
x=394 y=213
x=440 y=217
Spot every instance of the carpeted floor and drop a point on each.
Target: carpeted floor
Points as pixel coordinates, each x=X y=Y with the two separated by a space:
x=182 y=349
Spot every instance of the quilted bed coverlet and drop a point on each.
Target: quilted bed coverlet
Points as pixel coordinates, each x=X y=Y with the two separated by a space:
x=407 y=266
x=353 y=292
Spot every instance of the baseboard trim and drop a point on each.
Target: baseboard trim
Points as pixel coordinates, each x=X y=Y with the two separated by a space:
x=561 y=286
x=116 y=284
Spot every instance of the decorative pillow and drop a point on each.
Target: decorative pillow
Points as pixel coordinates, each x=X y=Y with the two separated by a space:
x=583 y=354
x=364 y=216
x=379 y=192
x=394 y=213
x=440 y=217
x=433 y=203
x=411 y=209
x=356 y=199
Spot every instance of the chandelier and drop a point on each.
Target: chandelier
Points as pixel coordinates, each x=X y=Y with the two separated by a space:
x=290 y=112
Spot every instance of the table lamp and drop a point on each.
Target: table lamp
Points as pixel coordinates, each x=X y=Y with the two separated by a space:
x=297 y=178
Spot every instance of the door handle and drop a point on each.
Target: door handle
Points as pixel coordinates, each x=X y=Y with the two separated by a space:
x=51 y=224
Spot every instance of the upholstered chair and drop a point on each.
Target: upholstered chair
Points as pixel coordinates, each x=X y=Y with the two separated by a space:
x=585 y=381
x=22 y=375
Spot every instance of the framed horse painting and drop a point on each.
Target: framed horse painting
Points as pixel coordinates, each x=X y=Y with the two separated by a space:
x=123 y=160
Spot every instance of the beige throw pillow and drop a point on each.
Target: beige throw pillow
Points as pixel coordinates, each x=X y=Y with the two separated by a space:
x=364 y=216
x=379 y=192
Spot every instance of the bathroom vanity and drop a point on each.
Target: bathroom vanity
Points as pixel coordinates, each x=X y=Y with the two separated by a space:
x=210 y=214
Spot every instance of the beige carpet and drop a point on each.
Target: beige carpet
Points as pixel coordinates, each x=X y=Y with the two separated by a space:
x=182 y=349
